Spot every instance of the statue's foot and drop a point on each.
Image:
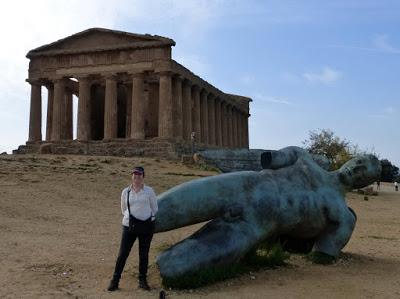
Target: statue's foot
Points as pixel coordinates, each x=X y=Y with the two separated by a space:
x=218 y=243
x=321 y=258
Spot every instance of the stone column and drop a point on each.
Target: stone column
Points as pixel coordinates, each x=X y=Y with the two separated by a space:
x=241 y=130
x=232 y=135
x=224 y=124
x=238 y=128
x=204 y=116
x=177 y=107
x=218 y=122
x=35 y=115
x=229 y=124
x=187 y=110
x=196 y=112
x=50 y=100
x=154 y=91
x=138 y=107
x=239 y=133
x=243 y=137
x=57 y=132
x=211 y=119
x=165 y=124
x=243 y=134
x=68 y=131
x=148 y=109
x=84 y=110
x=235 y=128
x=246 y=131
x=110 y=108
x=128 y=89
x=232 y=126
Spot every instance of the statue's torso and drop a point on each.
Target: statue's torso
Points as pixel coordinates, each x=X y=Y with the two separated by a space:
x=300 y=199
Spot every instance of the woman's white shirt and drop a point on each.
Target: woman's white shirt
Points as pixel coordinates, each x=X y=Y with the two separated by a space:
x=143 y=204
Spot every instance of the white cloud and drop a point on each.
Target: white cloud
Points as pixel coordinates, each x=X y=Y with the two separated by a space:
x=25 y=25
x=326 y=76
x=376 y=115
x=389 y=110
x=194 y=63
x=290 y=77
x=247 y=79
x=381 y=43
x=190 y=20
x=384 y=113
x=270 y=99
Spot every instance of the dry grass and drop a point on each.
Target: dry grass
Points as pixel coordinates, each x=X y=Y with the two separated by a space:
x=60 y=230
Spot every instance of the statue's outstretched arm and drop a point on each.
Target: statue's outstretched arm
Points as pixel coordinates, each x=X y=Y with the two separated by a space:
x=282 y=158
x=288 y=156
x=219 y=242
x=201 y=200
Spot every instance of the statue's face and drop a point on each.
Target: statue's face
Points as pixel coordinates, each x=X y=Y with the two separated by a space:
x=360 y=171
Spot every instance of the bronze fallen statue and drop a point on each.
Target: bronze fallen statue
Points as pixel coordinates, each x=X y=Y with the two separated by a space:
x=292 y=196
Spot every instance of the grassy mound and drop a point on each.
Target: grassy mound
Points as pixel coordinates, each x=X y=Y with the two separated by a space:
x=264 y=256
x=320 y=258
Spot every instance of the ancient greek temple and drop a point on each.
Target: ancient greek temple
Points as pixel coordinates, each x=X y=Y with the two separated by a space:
x=133 y=98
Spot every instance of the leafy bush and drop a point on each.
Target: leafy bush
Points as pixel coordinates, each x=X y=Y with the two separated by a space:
x=337 y=150
x=325 y=142
x=389 y=172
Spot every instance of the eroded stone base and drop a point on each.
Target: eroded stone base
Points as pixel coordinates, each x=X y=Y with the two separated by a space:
x=229 y=160
x=170 y=149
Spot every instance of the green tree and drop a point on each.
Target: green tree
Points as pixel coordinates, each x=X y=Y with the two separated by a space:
x=325 y=142
x=389 y=172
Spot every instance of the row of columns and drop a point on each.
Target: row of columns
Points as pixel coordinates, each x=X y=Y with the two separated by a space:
x=215 y=121
x=183 y=108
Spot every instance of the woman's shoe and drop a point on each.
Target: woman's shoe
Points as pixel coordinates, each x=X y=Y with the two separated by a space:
x=143 y=284
x=113 y=286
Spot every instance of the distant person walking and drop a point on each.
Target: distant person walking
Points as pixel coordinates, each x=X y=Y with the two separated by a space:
x=138 y=207
x=378 y=185
x=396 y=186
x=193 y=141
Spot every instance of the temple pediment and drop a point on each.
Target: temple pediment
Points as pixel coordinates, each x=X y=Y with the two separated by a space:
x=99 y=39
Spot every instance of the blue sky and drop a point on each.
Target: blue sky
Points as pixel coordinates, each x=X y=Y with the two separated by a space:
x=307 y=65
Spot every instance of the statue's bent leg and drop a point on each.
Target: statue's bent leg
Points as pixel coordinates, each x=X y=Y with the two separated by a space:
x=219 y=242
x=336 y=235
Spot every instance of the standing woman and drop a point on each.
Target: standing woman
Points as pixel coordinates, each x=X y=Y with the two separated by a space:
x=139 y=207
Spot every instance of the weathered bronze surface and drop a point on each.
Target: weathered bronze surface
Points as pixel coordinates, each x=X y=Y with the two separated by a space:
x=292 y=196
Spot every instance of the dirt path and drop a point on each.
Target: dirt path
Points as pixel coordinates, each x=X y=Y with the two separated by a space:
x=60 y=231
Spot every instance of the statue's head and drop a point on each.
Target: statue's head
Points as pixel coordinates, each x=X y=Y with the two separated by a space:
x=360 y=171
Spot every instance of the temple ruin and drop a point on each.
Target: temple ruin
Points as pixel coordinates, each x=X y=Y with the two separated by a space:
x=133 y=99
